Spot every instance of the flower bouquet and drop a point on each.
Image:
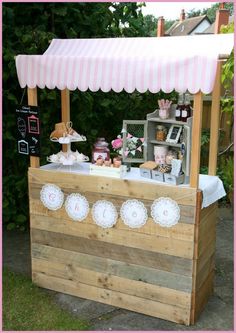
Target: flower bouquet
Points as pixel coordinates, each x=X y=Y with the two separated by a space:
x=133 y=146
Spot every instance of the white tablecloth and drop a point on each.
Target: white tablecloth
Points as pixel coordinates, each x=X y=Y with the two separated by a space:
x=211 y=186
x=212 y=189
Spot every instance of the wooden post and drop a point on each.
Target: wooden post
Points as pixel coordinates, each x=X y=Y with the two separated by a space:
x=215 y=122
x=32 y=101
x=65 y=110
x=196 y=139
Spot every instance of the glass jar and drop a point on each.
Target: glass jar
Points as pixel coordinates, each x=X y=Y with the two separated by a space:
x=164 y=113
x=161 y=133
x=100 y=150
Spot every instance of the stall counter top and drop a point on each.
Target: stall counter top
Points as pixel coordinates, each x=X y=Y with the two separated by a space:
x=211 y=186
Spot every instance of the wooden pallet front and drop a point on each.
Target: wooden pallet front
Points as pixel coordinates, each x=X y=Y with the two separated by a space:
x=151 y=270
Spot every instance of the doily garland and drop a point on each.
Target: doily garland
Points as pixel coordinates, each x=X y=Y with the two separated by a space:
x=104 y=214
x=133 y=213
x=77 y=207
x=165 y=212
x=52 y=196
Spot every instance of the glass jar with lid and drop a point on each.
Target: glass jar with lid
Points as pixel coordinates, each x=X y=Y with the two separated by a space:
x=100 y=150
x=161 y=133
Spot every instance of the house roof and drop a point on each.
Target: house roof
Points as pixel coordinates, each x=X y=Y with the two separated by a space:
x=146 y=63
x=186 y=26
x=211 y=28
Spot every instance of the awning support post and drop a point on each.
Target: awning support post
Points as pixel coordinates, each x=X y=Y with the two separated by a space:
x=196 y=139
x=215 y=122
x=65 y=110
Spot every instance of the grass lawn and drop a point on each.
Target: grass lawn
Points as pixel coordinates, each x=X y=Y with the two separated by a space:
x=28 y=308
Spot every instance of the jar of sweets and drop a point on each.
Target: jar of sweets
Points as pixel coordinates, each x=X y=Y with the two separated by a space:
x=100 y=150
x=161 y=133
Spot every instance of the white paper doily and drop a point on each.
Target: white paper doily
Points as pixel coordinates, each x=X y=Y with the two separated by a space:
x=77 y=206
x=165 y=212
x=52 y=196
x=104 y=213
x=133 y=213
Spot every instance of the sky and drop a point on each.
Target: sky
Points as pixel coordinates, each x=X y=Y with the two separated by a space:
x=171 y=10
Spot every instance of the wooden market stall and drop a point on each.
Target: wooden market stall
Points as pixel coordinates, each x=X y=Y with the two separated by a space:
x=166 y=272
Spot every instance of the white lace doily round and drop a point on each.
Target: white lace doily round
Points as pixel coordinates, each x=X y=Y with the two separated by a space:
x=133 y=213
x=52 y=196
x=165 y=212
x=104 y=213
x=77 y=206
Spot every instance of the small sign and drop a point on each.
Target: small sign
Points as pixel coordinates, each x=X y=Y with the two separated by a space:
x=33 y=124
x=28 y=130
x=23 y=147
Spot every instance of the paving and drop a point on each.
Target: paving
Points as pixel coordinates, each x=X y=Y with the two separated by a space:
x=217 y=315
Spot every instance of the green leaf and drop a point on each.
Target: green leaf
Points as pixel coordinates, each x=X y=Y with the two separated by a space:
x=21 y=218
x=11 y=226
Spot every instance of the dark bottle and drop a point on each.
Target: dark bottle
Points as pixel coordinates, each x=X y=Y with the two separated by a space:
x=186 y=113
x=179 y=108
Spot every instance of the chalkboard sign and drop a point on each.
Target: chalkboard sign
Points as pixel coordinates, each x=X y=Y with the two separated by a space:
x=28 y=130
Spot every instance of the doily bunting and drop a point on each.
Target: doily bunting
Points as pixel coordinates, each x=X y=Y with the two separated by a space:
x=164 y=211
x=104 y=213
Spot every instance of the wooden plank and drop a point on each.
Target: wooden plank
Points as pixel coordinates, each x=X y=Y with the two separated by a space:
x=204 y=250
x=33 y=101
x=206 y=212
x=204 y=272
x=112 y=282
x=196 y=250
x=215 y=122
x=65 y=110
x=196 y=139
x=133 y=303
x=208 y=226
x=123 y=253
x=205 y=256
x=114 y=267
x=106 y=185
x=187 y=213
x=207 y=234
x=202 y=297
x=180 y=231
x=155 y=243
x=204 y=246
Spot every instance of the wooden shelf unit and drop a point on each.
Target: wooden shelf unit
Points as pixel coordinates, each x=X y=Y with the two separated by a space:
x=164 y=143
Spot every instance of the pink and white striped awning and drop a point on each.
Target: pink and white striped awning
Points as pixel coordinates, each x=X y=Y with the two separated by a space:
x=154 y=64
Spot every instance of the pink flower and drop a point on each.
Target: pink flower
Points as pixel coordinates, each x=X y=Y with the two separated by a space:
x=117 y=143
